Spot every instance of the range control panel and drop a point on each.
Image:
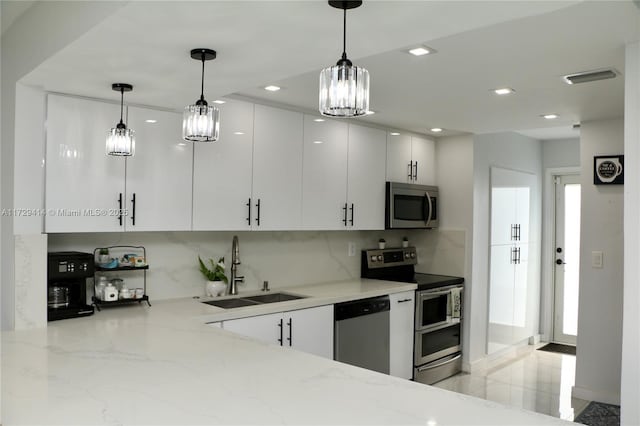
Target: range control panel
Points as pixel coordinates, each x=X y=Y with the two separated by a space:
x=390 y=257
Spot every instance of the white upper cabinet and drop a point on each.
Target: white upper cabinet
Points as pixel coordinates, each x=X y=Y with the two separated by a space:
x=83 y=185
x=159 y=175
x=366 y=177
x=222 y=172
x=410 y=159
x=324 y=194
x=277 y=169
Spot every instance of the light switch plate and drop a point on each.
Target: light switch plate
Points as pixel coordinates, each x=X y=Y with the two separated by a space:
x=596 y=259
x=352 y=249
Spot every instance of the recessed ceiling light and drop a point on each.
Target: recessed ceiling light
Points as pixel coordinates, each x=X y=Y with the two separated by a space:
x=272 y=88
x=317 y=142
x=370 y=112
x=503 y=91
x=421 y=51
x=150 y=121
x=436 y=130
x=319 y=120
x=219 y=102
x=238 y=133
x=550 y=116
x=394 y=134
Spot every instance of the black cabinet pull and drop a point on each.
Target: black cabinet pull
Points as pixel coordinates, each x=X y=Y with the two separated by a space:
x=258 y=213
x=290 y=338
x=518 y=255
x=404 y=300
x=133 y=209
x=518 y=232
x=410 y=175
x=512 y=258
x=352 y=209
x=513 y=232
x=280 y=325
x=249 y=213
x=415 y=175
x=120 y=209
x=345 y=214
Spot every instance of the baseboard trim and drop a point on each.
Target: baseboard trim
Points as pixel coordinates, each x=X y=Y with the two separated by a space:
x=590 y=395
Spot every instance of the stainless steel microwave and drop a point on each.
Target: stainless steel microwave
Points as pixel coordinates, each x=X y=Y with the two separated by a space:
x=410 y=206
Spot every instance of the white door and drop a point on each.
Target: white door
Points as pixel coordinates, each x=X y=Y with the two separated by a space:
x=83 y=184
x=401 y=334
x=503 y=214
x=159 y=175
x=266 y=328
x=277 y=169
x=324 y=180
x=567 y=258
x=423 y=155
x=310 y=330
x=222 y=173
x=366 y=177
x=399 y=164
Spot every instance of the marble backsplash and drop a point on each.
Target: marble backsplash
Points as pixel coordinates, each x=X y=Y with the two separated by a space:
x=282 y=258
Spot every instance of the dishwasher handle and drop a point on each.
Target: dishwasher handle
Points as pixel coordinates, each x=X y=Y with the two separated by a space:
x=358 y=308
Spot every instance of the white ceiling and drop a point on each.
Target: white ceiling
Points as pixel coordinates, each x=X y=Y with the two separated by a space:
x=526 y=45
x=11 y=10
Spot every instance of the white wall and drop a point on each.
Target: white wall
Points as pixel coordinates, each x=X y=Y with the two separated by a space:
x=454 y=174
x=560 y=153
x=511 y=151
x=630 y=368
x=599 y=345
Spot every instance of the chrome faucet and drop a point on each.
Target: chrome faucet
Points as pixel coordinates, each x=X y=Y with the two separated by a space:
x=235 y=261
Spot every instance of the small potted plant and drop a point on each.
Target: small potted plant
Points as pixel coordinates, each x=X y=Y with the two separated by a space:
x=103 y=256
x=216 y=278
x=381 y=243
x=405 y=242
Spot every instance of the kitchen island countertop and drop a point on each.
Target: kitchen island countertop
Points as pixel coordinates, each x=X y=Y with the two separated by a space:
x=164 y=366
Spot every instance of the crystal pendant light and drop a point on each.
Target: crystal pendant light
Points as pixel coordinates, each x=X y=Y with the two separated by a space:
x=201 y=122
x=120 y=140
x=344 y=88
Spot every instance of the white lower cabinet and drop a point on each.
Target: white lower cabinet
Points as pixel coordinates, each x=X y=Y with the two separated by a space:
x=308 y=330
x=401 y=329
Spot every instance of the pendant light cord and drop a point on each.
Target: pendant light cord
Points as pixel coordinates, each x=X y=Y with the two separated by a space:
x=344 y=35
x=202 y=82
x=121 y=104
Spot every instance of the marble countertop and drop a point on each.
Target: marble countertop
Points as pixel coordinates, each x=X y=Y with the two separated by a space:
x=164 y=366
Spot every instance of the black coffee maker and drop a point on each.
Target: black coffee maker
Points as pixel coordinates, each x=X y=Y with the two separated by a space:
x=67 y=274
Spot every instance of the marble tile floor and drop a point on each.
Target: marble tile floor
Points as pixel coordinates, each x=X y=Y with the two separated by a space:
x=537 y=381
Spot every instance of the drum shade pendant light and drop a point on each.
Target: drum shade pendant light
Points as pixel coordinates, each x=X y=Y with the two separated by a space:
x=201 y=122
x=120 y=140
x=344 y=88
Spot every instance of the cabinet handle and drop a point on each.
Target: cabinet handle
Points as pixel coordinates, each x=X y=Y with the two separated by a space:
x=249 y=214
x=518 y=232
x=512 y=259
x=133 y=209
x=518 y=255
x=410 y=170
x=345 y=214
x=120 y=209
x=513 y=232
x=415 y=175
x=404 y=300
x=352 y=210
x=258 y=214
x=280 y=325
x=290 y=338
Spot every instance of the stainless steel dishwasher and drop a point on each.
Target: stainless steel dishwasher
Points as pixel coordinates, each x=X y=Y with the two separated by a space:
x=362 y=333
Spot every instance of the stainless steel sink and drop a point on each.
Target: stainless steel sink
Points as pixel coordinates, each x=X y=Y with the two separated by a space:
x=231 y=303
x=253 y=300
x=274 y=297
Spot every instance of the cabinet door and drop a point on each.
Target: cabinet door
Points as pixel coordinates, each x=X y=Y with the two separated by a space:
x=366 y=177
x=401 y=338
x=222 y=172
x=522 y=213
x=399 y=158
x=159 y=175
x=324 y=181
x=503 y=215
x=523 y=302
x=277 y=169
x=83 y=184
x=266 y=328
x=310 y=330
x=423 y=154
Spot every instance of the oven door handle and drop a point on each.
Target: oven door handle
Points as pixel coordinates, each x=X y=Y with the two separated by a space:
x=449 y=359
x=428 y=222
x=432 y=294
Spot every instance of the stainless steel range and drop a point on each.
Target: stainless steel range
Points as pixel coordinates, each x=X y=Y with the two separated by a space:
x=438 y=315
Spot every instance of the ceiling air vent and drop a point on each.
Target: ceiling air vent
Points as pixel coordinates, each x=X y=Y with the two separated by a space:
x=587 y=76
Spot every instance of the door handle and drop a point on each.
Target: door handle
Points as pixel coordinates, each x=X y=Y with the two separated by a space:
x=415 y=175
x=290 y=338
x=430 y=207
x=133 y=209
x=249 y=215
x=280 y=325
x=345 y=214
x=120 y=209
x=258 y=214
x=560 y=262
x=352 y=209
x=410 y=175
x=404 y=300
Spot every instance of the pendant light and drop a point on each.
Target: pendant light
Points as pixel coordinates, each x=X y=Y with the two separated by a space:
x=201 y=122
x=344 y=88
x=120 y=140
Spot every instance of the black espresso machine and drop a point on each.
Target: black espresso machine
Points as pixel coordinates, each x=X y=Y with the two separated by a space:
x=67 y=273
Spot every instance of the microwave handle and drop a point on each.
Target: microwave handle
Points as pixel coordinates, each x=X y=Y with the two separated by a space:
x=430 y=209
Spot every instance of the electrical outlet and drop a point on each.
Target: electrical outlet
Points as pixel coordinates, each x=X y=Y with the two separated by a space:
x=596 y=259
x=352 y=249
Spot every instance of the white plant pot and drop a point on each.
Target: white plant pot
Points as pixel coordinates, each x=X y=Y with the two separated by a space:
x=382 y=245
x=215 y=288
